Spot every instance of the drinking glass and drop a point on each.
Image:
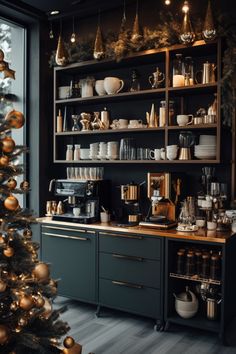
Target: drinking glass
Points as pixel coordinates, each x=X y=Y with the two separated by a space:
x=70 y=172
x=127 y=149
x=77 y=172
x=92 y=173
x=87 y=172
x=82 y=172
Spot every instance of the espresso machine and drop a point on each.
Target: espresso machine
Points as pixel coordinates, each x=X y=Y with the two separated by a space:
x=164 y=191
x=82 y=200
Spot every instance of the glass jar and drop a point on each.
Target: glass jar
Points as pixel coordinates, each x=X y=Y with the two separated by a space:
x=162 y=113
x=198 y=255
x=205 y=265
x=190 y=264
x=77 y=152
x=188 y=71
x=180 y=262
x=178 y=72
x=215 y=267
x=69 y=153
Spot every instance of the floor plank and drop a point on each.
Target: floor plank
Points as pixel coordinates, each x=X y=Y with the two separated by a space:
x=121 y=333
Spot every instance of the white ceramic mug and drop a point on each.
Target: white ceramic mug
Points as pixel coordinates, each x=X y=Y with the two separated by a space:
x=63 y=92
x=211 y=225
x=155 y=154
x=105 y=217
x=122 y=123
x=135 y=123
x=76 y=211
x=113 y=85
x=183 y=119
x=99 y=87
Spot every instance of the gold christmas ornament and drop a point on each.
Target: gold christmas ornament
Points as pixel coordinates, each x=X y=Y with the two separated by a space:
x=4 y=334
x=8 y=144
x=4 y=66
x=209 y=30
x=68 y=342
x=2 y=239
x=4 y=160
x=11 y=183
x=3 y=286
x=76 y=349
x=11 y=203
x=39 y=301
x=62 y=56
x=187 y=34
x=41 y=271
x=9 y=252
x=24 y=185
x=98 y=52
x=15 y=119
x=26 y=302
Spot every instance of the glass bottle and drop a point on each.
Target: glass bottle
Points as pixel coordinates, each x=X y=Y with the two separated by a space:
x=162 y=114
x=180 y=262
x=69 y=153
x=178 y=72
x=198 y=255
x=188 y=71
x=205 y=265
x=135 y=84
x=59 y=122
x=190 y=264
x=77 y=152
x=215 y=267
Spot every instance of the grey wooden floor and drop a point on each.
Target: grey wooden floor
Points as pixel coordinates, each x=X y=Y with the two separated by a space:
x=117 y=332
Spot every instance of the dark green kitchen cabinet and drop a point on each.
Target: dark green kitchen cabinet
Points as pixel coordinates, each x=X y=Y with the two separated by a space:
x=72 y=255
x=131 y=274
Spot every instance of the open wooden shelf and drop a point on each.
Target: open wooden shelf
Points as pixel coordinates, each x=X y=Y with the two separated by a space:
x=157 y=162
x=195 y=278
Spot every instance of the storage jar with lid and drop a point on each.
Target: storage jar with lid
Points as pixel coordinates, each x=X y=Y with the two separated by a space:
x=69 y=153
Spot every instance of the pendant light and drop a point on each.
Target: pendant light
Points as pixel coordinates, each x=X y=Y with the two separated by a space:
x=73 y=36
x=136 y=32
x=98 y=51
x=62 y=56
x=187 y=34
x=209 y=30
x=51 y=34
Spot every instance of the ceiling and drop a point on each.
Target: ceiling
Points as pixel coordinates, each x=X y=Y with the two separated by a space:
x=81 y=8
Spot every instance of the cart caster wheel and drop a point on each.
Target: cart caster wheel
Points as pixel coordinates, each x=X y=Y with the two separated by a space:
x=167 y=326
x=158 y=327
x=97 y=313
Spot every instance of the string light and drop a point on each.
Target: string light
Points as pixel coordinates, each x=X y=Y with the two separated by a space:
x=73 y=38
x=167 y=2
x=185 y=7
x=51 y=34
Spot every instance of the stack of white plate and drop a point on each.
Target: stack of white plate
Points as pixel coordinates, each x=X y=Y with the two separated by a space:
x=206 y=148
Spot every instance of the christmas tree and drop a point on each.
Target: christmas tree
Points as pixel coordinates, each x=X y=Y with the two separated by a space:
x=28 y=323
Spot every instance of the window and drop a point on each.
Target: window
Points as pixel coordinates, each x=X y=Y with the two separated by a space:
x=13 y=92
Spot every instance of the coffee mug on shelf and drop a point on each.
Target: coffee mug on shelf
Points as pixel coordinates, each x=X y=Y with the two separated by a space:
x=155 y=154
x=113 y=85
x=183 y=119
x=99 y=87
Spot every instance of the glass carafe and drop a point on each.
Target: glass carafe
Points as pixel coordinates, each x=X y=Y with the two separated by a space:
x=188 y=71
x=178 y=71
x=75 y=119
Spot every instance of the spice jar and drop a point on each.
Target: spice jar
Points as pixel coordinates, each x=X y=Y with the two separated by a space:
x=205 y=265
x=190 y=264
x=215 y=267
x=69 y=153
x=180 y=262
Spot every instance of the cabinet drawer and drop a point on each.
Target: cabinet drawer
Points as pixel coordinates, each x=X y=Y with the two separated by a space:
x=67 y=231
x=130 y=269
x=130 y=297
x=133 y=245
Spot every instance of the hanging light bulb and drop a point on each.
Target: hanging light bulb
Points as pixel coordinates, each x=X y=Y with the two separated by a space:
x=73 y=37
x=187 y=34
x=185 y=7
x=51 y=35
x=167 y=2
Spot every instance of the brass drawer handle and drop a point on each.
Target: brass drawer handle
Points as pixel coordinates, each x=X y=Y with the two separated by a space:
x=65 y=236
x=130 y=258
x=124 y=236
x=121 y=283
x=67 y=229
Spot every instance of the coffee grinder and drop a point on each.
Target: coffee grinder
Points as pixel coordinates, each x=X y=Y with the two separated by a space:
x=162 y=210
x=130 y=194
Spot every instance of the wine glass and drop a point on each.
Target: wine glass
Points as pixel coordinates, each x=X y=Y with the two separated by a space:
x=75 y=118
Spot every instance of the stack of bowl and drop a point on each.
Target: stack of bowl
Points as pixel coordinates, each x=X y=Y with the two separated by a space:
x=206 y=148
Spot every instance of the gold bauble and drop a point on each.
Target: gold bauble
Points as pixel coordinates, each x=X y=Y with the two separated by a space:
x=39 y=301
x=4 y=334
x=11 y=203
x=68 y=342
x=27 y=233
x=15 y=119
x=9 y=252
x=26 y=302
x=2 y=239
x=41 y=271
x=11 y=183
x=76 y=349
x=8 y=144
x=3 y=286
x=4 y=160
x=24 y=185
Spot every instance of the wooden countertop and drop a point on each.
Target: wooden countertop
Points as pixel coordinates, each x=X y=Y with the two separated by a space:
x=200 y=235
